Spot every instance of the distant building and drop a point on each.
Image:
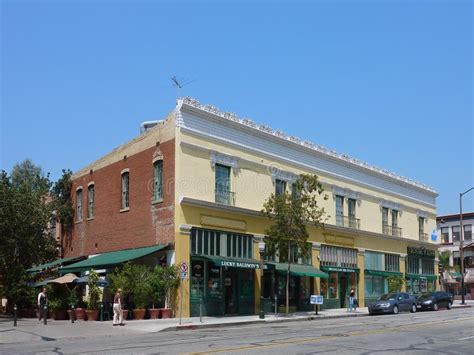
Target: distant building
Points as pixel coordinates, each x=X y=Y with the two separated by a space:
x=449 y=230
x=190 y=189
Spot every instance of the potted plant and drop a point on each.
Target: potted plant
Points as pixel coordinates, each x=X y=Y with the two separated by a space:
x=139 y=277
x=120 y=279
x=72 y=303
x=80 y=311
x=94 y=296
x=56 y=308
x=156 y=290
x=170 y=281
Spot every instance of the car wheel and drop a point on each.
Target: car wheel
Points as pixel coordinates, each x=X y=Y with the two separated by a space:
x=450 y=305
x=413 y=308
x=435 y=307
x=395 y=309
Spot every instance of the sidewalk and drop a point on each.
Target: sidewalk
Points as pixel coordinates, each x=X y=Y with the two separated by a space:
x=29 y=330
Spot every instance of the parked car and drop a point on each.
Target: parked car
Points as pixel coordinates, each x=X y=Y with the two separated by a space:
x=434 y=300
x=393 y=303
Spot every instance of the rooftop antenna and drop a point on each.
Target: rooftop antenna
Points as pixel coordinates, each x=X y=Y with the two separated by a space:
x=180 y=83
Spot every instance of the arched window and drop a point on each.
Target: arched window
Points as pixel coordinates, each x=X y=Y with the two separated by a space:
x=158 y=180
x=90 y=201
x=125 y=190
x=79 y=204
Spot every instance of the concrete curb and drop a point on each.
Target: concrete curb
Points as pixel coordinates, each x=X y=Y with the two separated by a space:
x=257 y=321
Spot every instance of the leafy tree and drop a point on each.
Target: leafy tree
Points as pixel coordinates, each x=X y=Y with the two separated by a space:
x=61 y=201
x=395 y=283
x=164 y=281
x=24 y=218
x=134 y=280
x=291 y=214
x=94 y=291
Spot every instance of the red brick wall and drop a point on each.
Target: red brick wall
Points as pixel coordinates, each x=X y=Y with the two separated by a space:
x=144 y=224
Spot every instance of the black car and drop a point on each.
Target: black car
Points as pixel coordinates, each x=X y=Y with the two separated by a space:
x=393 y=303
x=434 y=300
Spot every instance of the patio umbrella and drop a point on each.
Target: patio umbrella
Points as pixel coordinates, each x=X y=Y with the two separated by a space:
x=42 y=283
x=66 y=279
x=84 y=280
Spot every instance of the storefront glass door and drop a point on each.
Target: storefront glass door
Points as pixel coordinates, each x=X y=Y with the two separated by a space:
x=230 y=291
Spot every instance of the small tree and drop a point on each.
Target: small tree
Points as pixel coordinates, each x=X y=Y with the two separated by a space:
x=94 y=291
x=290 y=214
x=134 y=280
x=395 y=283
x=165 y=280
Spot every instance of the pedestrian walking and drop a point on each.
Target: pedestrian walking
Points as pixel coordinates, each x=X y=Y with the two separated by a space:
x=351 y=299
x=42 y=301
x=118 y=314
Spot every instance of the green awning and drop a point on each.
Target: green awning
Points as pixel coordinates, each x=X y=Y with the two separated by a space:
x=383 y=273
x=455 y=274
x=36 y=269
x=339 y=269
x=233 y=262
x=300 y=270
x=108 y=260
x=420 y=276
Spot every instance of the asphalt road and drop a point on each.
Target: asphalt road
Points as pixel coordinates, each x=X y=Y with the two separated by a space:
x=446 y=332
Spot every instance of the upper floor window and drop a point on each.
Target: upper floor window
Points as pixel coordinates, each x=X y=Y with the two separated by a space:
x=374 y=260
x=385 y=216
x=125 y=190
x=223 y=193
x=280 y=187
x=421 y=225
x=337 y=256
x=394 y=218
x=456 y=231
x=467 y=232
x=79 y=205
x=339 y=210
x=90 y=200
x=158 y=180
x=445 y=234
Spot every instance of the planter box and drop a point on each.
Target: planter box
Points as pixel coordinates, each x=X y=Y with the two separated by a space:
x=154 y=313
x=125 y=314
x=92 y=315
x=59 y=315
x=139 y=314
x=165 y=313
x=80 y=313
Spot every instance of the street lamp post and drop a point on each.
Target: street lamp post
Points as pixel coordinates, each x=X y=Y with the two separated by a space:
x=261 y=249
x=461 y=251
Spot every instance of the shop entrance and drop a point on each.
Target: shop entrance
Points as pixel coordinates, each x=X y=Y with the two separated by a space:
x=344 y=283
x=230 y=291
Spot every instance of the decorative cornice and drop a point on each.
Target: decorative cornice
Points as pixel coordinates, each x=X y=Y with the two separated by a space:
x=284 y=175
x=224 y=159
x=423 y=214
x=391 y=205
x=318 y=148
x=346 y=193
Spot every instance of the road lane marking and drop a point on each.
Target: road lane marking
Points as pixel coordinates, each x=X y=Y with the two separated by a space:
x=321 y=338
x=467 y=338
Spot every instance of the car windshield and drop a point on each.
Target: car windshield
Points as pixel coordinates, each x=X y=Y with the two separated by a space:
x=426 y=295
x=388 y=297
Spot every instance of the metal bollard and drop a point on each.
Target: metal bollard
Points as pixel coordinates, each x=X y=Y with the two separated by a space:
x=73 y=314
x=101 y=312
x=45 y=314
x=14 y=314
x=316 y=309
x=200 y=309
x=276 y=305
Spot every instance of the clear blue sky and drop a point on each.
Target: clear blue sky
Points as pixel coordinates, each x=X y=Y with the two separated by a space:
x=388 y=82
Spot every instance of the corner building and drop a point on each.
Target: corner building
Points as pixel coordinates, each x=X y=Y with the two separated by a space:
x=196 y=183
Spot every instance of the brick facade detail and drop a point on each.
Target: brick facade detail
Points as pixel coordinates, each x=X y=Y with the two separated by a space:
x=144 y=224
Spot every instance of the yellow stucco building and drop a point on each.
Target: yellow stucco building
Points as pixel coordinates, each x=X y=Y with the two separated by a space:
x=379 y=224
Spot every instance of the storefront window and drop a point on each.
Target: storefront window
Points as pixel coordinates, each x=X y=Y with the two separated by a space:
x=214 y=280
x=332 y=285
x=431 y=286
x=197 y=278
x=374 y=286
x=324 y=287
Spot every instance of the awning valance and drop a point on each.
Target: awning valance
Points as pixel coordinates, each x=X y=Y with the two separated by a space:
x=339 y=269
x=421 y=276
x=383 y=273
x=300 y=270
x=111 y=259
x=232 y=262
x=58 y=262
